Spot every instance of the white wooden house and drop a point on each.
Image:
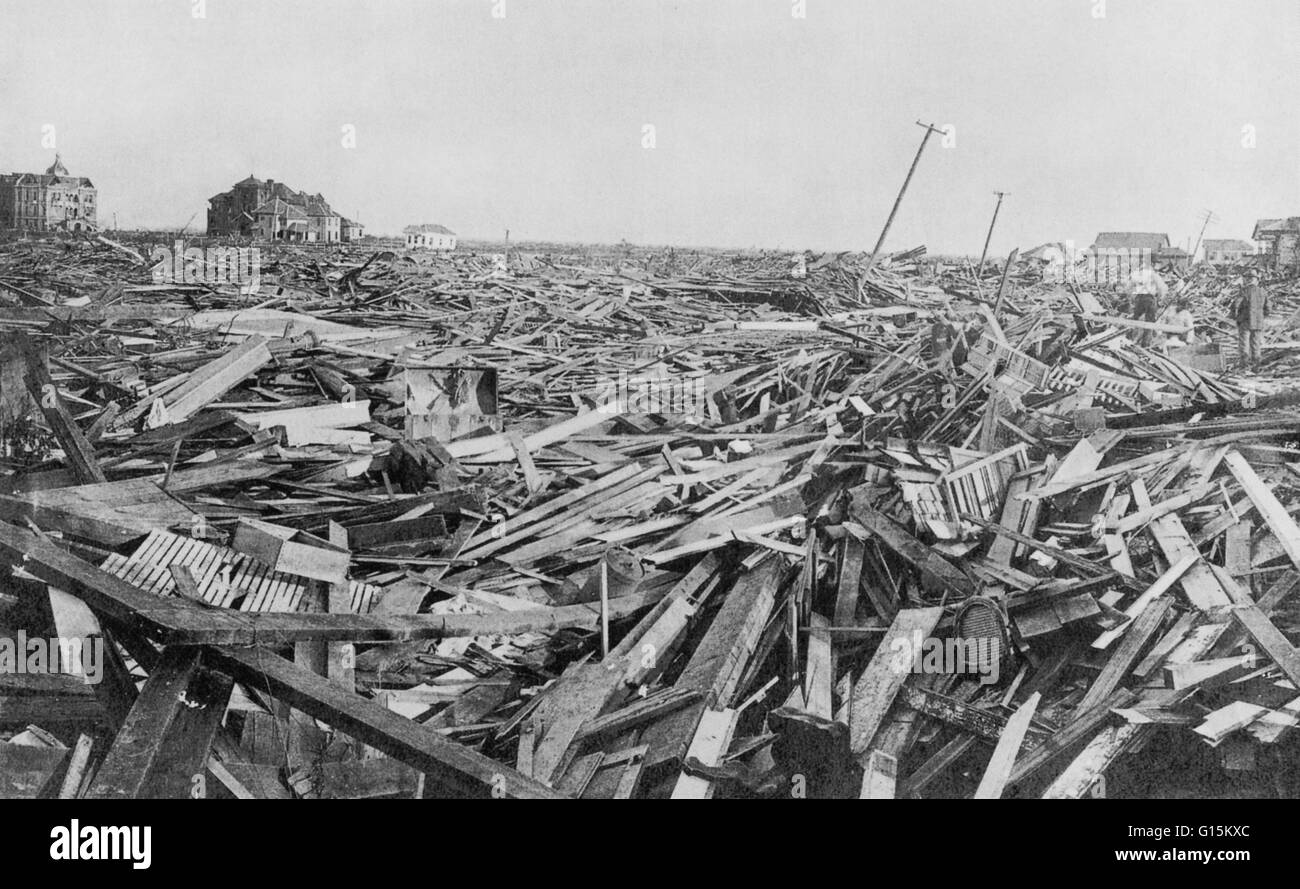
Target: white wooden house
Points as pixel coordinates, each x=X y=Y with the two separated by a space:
x=429 y=237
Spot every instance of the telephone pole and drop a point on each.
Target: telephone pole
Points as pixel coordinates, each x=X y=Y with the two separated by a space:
x=989 y=237
x=929 y=128
x=1209 y=217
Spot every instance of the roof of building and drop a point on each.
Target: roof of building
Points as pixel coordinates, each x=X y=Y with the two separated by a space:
x=1274 y=226
x=47 y=179
x=343 y=220
x=428 y=229
x=1131 y=240
x=251 y=180
x=319 y=208
x=1222 y=244
x=55 y=174
x=278 y=207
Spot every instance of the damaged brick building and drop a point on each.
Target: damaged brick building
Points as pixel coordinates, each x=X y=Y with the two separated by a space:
x=254 y=208
x=49 y=201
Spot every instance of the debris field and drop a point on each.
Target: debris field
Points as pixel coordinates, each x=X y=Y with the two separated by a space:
x=637 y=524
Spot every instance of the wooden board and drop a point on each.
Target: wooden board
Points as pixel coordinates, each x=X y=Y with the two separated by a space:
x=876 y=688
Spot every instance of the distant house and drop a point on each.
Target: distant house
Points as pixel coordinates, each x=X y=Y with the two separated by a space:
x=1140 y=248
x=1173 y=257
x=429 y=237
x=350 y=231
x=1279 y=241
x=1227 y=251
x=323 y=224
x=1153 y=241
x=278 y=220
x=235 y=212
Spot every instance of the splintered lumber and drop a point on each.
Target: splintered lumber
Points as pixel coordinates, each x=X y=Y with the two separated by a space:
x=1017 y=514
x=26 y=771
x=1270 y=638
x=1279 y=521
x=1156 y=590
x=879 y=776
x=876 y=688
x=48 y=698
x=580 y=694
x=657 y=633
x=1198 y=581
x=715 y=667
x=982 y=723
x=728 y=424
x=459 y=770
x=213 y=380
x=819 y=676
x=162 y=749
x=711 y=740
x=113 y=599
x=291 y=551
x=173 y=620
x=849 y=582
x=1134 y=323
x=77 y=765
x=367 y=779
x=497 y=448
x=1086 y=774
x=1126 y=654
x=638 y=712
x=77 y=450
x=931 y=565
x=1228 y=719
x=1078 y=563
x=111 y=513
x=1004 y=754
x=936 y=765
x=528 y=522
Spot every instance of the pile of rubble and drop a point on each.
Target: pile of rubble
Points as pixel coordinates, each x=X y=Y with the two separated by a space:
x=631 y=524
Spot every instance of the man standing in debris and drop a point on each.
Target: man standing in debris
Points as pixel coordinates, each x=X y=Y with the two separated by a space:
x=943 y=335
x=1147 y=288
x=1252 y=306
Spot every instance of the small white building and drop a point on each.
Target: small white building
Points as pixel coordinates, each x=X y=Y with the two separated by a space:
x=429 y=237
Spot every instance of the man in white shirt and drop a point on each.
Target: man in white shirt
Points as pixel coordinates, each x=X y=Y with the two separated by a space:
x=1147 y=288
x=1180 y=315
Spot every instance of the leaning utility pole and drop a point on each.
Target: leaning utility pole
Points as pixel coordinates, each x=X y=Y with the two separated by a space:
x=1209 y=217
x=929 y=128
x=980 y=269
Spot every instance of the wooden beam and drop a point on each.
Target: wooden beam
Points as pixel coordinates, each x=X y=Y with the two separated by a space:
x=708 y=745
x=162 y=749
x=1274 y=513
x=879 y=776
x=458 y=770
x=1126 y=654
x=716 y=665
x=78 y=452
x=1004 y=754
x=1070 y=735
x=1270 y=638
x=175 y=620
x=876 y=688
x=931 y=565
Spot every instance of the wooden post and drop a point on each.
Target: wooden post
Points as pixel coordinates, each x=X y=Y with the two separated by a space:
x=989 y=237
x=929 y=128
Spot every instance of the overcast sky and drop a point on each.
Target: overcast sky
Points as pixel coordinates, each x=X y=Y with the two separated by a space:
x=769 y=129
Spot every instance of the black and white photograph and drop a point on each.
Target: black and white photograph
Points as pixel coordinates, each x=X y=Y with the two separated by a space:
x=659 y=399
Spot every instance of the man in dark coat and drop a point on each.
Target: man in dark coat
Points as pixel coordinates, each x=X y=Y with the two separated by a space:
x=1252 y=306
